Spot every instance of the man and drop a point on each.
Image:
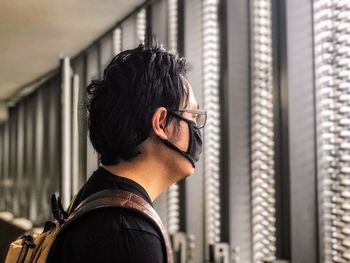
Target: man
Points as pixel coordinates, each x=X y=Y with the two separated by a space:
x=144 y=121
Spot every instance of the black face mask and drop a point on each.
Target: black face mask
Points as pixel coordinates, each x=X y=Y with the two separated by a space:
x=195 y=144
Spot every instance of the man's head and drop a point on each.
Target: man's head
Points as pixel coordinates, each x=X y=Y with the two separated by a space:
x=137 y=100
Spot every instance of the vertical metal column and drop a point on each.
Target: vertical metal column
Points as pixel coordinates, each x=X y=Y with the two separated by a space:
x=92 y=72
x=117 y=41
x=195 y=184
x=20 y=160
x=129 y=35
x=173 y=25
x=332 y=57
x=158 y=15
x=66 y=132
x=106 y=48
x=46 y=180
x=157 y=26
x=262 y=135
x=141 y=26
x=79 y=69
x=39 y=154
x=298 y=100
x=75 y=136
x=54 y=135
x=30 y=148
x=211 y=154
x=25 y=194
x=238 y=107
x=14 y=160
x=173 y=213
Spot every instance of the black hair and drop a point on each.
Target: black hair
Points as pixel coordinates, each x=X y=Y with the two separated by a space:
x=120 y=106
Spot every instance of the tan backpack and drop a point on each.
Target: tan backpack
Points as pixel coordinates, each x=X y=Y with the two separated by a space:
x=35 y=248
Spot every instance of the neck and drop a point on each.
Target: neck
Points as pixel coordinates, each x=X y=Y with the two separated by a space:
x=147 y=172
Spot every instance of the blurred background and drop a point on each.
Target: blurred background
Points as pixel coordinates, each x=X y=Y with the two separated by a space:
x=273 y=184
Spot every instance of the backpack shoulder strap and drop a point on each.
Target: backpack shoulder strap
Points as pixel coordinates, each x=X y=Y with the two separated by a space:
x=122 y=199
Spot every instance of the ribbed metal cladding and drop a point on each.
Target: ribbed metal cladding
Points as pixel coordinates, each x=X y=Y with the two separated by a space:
x=332 y=60
x=173 y=197
x=141 y=26
x=262 y=135
x=212 y=142
x=172 y=25
x=117 y=41
x=173 y=209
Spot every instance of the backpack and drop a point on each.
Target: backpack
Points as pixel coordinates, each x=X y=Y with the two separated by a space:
x=35 y=248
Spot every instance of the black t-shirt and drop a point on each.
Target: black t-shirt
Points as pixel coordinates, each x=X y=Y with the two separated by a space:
x=112 y=235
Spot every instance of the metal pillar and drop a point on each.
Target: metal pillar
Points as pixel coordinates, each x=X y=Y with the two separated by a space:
x=66 y=132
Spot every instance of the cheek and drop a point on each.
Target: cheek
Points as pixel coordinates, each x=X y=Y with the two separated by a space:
x=183 y=137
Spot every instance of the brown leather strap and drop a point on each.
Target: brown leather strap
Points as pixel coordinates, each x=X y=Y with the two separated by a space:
x=125 y=200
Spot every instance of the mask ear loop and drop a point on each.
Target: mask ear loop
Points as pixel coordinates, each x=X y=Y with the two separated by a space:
x=184 y=154
x=175 y=148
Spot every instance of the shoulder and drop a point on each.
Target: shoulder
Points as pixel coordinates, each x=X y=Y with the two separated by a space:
x=109 y=234
x=116 y=219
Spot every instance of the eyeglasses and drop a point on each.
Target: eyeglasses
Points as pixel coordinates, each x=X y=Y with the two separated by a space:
x=199 y=116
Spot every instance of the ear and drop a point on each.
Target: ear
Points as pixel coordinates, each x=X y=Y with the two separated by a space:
x=159 y=122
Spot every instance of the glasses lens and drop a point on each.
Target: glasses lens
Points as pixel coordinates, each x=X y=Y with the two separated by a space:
x=198 y=117
x=200 y=120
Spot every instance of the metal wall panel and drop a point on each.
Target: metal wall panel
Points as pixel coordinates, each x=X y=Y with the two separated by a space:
x=129 y=36
x=301 y=126
x=66 y=95
x=238 y=79
x=262 y=135
x=106 y=52
x=332 y=46
x=173 y=193
x=173 y=17
x=161 y=206
x=39 y=176
x=13 y=160
x=141 y=26
x=46 y=182
x=167 y=204
x=117 y=41
x=194 y=184
x=76 y=179
x=87 y=68
x=29 y=168
x=20 y=160
x=250 y=130
x=78 y=66
x=27 y=163
x=54 y=135
x=159 y=21
x=212 y=142
x=92 y=72
x=35 y=154
x=164 y=16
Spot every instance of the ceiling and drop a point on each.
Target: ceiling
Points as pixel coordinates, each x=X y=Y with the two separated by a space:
x=34 y=34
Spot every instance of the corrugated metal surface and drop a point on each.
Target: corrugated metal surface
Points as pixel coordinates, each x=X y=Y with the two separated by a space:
x=332 y=57
x=262 y=136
